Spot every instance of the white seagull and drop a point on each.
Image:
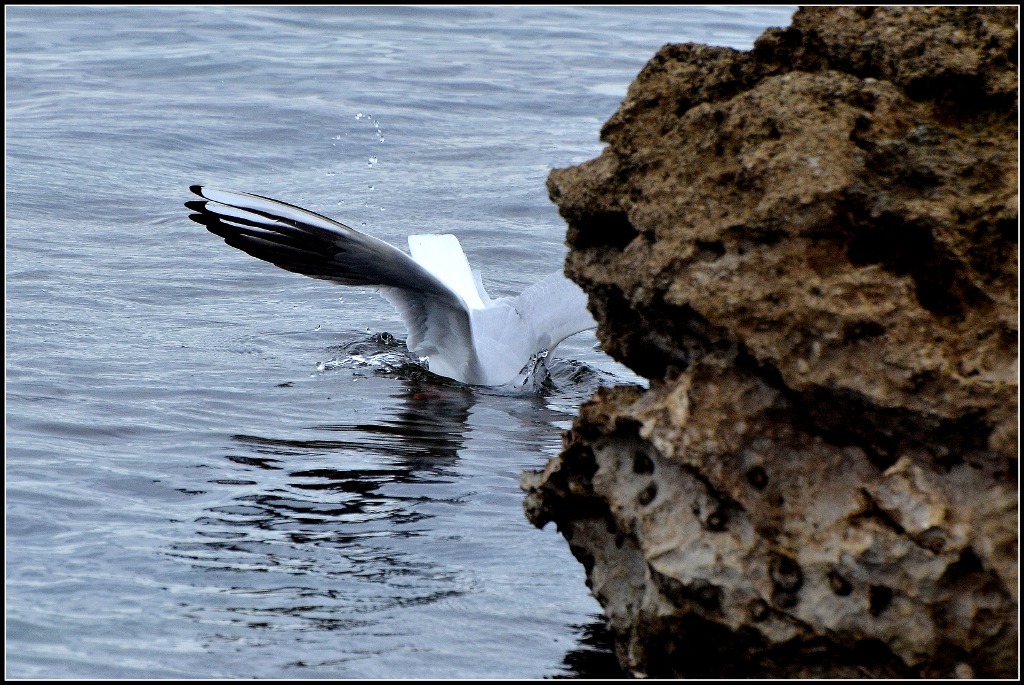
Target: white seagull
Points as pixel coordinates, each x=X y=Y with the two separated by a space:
x=463 y=333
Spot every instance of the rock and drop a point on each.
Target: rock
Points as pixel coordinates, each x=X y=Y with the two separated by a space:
x=811 y=250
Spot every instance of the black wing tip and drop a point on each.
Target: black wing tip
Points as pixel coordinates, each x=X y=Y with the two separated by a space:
x=197 y=189
x=205 y=219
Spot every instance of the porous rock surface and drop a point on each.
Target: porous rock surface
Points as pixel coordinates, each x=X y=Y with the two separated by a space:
x=811 y=250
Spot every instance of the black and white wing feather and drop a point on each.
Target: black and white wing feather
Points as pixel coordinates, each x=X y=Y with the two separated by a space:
x=313 y=245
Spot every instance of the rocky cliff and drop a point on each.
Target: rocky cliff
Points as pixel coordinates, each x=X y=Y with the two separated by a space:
x=811 y=250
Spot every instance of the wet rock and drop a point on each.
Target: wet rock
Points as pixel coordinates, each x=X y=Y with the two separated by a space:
x=811 y=250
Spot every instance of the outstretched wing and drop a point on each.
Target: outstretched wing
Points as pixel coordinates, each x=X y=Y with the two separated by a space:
x=556 y=308
x=514 y=329
x=313 y=245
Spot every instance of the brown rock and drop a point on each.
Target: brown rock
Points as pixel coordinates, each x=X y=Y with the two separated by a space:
x=811 y=249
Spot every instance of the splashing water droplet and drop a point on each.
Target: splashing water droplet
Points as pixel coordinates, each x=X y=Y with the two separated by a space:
x=371 y=161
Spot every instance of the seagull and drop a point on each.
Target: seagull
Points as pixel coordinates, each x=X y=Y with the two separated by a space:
x=451 y=321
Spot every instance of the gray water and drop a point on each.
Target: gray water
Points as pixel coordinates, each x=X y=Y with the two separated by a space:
x=215 y=468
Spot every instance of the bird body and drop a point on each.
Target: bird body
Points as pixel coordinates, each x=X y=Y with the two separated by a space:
x=450 y=318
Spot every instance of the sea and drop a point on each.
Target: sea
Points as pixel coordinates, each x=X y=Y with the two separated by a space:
x=219 y=469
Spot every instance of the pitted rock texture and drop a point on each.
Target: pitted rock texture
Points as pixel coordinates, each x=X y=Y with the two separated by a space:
x=811 y=250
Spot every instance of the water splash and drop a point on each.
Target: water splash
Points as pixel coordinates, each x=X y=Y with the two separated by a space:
x=566 y=381
x=380 y=353
x=533 y=374
x=376 y=125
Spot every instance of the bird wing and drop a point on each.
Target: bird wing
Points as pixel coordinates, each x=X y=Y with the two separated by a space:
x=556 y=308
x=514 y=329
x=443 y=257
x=303 y=242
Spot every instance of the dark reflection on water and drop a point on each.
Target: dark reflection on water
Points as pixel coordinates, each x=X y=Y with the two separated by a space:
x=313 y=541
x=594 y=658
x=327 y=528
